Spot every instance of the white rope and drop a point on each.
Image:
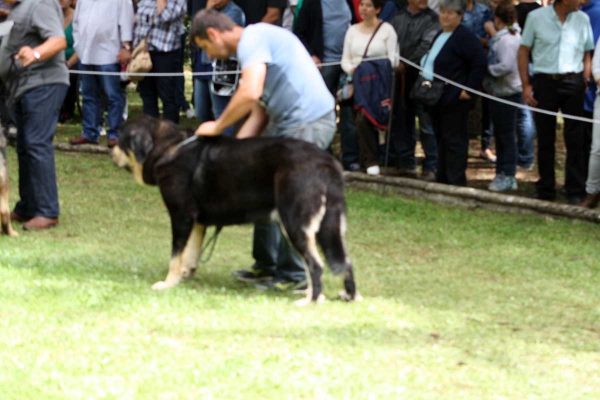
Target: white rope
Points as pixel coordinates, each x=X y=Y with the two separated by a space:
x=328 y=64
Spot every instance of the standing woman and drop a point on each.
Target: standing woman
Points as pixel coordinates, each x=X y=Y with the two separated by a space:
x=455 y=54
x=382 y=41
x=505 y=83
x=68 y=108
x=161 y=21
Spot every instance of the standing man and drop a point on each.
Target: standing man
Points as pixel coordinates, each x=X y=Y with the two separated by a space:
x=283 y=91
x=102 y=33
x=321 y=26
x=560 y=39
x=39 y=43
x=269 y=11
x=416 y=27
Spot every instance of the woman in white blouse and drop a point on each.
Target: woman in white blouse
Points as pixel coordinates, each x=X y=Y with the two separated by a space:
x=384 y=43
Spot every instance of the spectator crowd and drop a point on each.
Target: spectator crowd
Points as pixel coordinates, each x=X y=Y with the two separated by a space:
x=526 y=53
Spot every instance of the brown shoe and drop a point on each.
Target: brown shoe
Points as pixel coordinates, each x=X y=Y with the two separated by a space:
x=40 y=223
x=18 y=218
x=80 y=140
x=112 y=143
x=591 y=201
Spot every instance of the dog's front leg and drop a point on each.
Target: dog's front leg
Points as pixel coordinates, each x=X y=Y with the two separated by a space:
x=5 y=225
x=187 y=243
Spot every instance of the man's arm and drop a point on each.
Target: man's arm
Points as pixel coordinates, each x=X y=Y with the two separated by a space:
x=255 y=124
x=250 y=90
x=48 y=49
x=524 y=52
x=272 y=16
x=587 y=65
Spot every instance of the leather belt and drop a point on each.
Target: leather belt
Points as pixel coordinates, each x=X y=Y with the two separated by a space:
x=559 y=77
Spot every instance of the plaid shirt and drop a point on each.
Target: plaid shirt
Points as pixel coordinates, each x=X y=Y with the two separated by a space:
x=168 y=26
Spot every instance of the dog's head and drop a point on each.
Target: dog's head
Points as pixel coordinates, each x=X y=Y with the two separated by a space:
x=142 y=141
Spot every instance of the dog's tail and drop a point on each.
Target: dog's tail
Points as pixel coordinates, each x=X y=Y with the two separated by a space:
x=332 y=233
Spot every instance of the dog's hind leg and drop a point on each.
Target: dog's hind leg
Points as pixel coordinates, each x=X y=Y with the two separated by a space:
x=5 y=225
x=187 y=243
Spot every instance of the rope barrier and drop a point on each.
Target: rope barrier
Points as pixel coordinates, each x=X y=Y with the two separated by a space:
x=328 y=64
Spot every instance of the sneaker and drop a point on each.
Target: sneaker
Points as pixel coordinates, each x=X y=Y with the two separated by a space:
x=190 y=114
x=282 y=285
x=488 y=156
x=252 y=275
x=503 y=183
x=373 y=170
x=407 y=173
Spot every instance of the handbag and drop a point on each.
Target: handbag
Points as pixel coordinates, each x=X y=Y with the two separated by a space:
x=425 y=91
x=346 y=90
x=140 y=62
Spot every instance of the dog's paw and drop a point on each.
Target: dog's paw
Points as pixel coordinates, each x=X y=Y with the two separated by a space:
x=303 y=302
x=346 y=297
x=162 y=285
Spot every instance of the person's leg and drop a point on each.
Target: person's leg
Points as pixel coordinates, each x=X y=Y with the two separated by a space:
x=90 y=104
x=149 y=94
x=38 y=114
x=218 y=105
x=436 y=122
x=427 y=138
x=68 y=108
x=571 y=96
x=406 y=136
x=368 y=141
x=202 y=100
x=593 y=181
x=456 y=140
x=525 y=134
x=111 y=85
x=546 y=93
x=504 y=119
x=166 y=86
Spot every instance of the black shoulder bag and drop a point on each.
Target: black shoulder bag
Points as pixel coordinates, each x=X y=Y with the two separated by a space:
x=425 y=91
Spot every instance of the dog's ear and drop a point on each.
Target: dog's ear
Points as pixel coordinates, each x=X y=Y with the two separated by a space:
x=141 y=146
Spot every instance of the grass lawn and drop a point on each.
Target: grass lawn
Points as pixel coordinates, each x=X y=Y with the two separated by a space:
x=458 y=304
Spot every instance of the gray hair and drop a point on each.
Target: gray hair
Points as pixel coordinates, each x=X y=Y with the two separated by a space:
x=458 y=6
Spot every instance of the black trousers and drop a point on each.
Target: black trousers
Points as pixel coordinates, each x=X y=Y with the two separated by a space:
x=450 y=127
x=566 y=95
x=152 y=88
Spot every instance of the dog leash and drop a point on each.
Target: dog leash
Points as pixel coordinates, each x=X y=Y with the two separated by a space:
x=187 y=141
x=211 y=242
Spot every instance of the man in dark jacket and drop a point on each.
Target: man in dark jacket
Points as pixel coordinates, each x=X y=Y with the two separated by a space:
x=321 y=26
x=416 y=27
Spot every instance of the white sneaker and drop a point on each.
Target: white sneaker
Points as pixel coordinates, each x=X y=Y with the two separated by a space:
x=373 y=170
x=102 y=131
x=189 y=114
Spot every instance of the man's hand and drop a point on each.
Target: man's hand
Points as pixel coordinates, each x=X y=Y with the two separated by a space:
x=208 y=128
x=317 y=61
x=4 y=13
x=490 y=28
x=25 y=55
x=124 y=56
x=464 y=95
x=160 y=5
x=528 y=96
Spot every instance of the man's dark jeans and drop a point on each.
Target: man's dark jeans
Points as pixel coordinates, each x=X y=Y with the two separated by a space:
x=567 y=95
x=165 y=87
x=349 y=136
x=37 y=115
x=504 y=118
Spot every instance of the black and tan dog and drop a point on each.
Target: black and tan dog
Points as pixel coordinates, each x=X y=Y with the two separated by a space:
x=224 y=181
x=5 y=225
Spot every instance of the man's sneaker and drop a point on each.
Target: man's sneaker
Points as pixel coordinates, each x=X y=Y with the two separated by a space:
x=282 y=285
x=373 y=170
x=189 y=113
x=252 y=275
x=503 y=183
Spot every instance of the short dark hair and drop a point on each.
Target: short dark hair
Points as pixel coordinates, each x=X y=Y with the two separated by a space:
x=378 y=3
x=210 y=18
x=506 y=13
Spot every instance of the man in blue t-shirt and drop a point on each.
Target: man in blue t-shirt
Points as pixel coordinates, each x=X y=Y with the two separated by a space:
x=285 y=95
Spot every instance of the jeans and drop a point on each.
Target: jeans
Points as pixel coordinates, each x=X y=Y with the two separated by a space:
x=525 y=134
x=208 y=105
x=151 y=88
x=487 y=127
x=349 y=136
x=567 y=95
x=593 y=181
x=271 y=250
x=37 y=115
x=504 y=118
x=406 y=139
x=91 y=88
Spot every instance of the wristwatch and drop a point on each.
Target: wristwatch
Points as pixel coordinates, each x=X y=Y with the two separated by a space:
x=588 y=80
x=36 y=55
x=126 y=46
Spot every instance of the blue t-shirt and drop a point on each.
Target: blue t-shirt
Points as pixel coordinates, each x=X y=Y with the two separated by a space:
x=429 y=59
x=294 y=92
x=336 y=21
x=476 y=19
x=592 y=9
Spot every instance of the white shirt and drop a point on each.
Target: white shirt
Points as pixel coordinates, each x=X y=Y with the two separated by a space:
x=384 y=44
x=99 y=28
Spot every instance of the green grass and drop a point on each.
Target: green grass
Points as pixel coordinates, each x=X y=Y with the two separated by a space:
x=458 y=304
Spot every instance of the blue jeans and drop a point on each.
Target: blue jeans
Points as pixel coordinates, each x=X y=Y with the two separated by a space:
x=37 y=115
x=271 y=250
x=504 y=118
x=406 y=139
x=208 y=105
x=91 y=88
x=349 y=134
x=525 y=134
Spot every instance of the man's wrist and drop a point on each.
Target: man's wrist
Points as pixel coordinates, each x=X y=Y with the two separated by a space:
x=126 y=46
x=37 y=56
